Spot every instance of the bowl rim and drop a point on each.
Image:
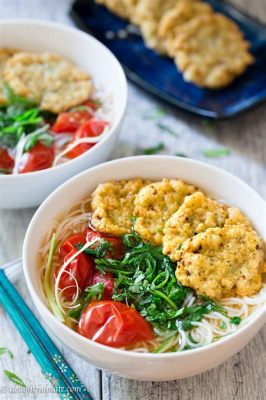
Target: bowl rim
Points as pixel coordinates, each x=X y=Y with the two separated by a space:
x=60 y=326
x=120 y=111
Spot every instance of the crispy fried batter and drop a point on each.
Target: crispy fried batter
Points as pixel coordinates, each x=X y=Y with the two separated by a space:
x=113 y=205
x=5 y=54
x=122 y=8
x=174 y=19
x=48 y=79
x=196 y=215
x=155 y=203
x=222 y=262
x=147 y=15
x=211 y=51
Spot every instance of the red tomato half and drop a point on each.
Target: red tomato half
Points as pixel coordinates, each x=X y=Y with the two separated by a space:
x=114 y=324
x=69 y=122
x=117 y=244
x=82 y=269
x=108 y=282
x=90 y=128
x=39 y=157
x=69 y=244
x=6 y=162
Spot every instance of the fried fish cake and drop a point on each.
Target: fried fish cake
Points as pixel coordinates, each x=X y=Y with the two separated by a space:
x=174 y=19
x=113 y=205
x=49 y=79
x=211 y=51
x=5 y=54
x=147 y=15
x=196 y=215
x=122 y=8
x=222 y=262
x=155 y=203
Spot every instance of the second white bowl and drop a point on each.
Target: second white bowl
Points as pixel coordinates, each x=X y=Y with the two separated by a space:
x=30 y=189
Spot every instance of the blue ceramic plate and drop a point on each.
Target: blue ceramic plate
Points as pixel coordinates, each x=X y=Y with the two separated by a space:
x=159 y=75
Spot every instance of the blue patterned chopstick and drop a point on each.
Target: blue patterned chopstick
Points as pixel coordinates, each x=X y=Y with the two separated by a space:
x=55 y=368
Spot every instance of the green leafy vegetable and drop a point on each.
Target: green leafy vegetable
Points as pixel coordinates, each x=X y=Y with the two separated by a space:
x=94 y=292
x=4 y=350
x=21 y=117
x=235 y=320
x=99 y=250
x=14 y=378
x=214 y=153
x=155 y=149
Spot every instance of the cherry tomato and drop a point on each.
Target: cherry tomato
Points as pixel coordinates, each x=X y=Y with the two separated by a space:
x=69 y=122
x=39 y=157
x=82 y=268
x=114 y=324
x=90 y=128
x=108 y=282
x=6 y=162
x=69 y=244
x=94 y=105
x=117 y=244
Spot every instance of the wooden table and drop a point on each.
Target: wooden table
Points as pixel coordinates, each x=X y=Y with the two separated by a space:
x=243 y=376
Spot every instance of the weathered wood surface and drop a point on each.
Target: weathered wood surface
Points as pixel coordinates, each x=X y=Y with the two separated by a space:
x=243 y=377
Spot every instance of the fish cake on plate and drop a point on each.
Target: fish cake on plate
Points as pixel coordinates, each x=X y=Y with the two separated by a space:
x=5 y=54
x=147 y=15
x=196 y=215
x=222 y=262
x=122 y=8
x=154 y=205
x=49 y=79
x=211 y=51
x=174 y=19
x=113 y=205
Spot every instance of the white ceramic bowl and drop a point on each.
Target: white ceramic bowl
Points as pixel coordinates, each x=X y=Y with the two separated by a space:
x=214 y=181
x=28 y=190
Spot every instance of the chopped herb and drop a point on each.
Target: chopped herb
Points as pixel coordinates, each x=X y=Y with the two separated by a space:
x=235 y=320
x=94 y=292
x=167 y=129
x=181 y=155
x=214 y=153
x=100 y=249
x=4 y=350
x=155 y=149
x=133 y=219
x=14 y=378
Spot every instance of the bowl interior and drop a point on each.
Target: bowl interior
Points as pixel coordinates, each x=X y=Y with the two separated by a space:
x=212 y=180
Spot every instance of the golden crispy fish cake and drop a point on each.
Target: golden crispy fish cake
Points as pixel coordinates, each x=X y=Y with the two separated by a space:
x=196 y=215
x=122 y=8
x=211 y=51
x=154 y=205
x=49 y=79
x=147 y=15
x=113 y=205
x=5 y=55
x=174 y=19
x=222 y=262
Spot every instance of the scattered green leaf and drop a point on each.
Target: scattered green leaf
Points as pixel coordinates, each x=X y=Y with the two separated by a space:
x=4 y=350
x=14 y=378
x=157 y=113
x=181 y=155
x=214 y=153
x=155 y=149
x=167 y=129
